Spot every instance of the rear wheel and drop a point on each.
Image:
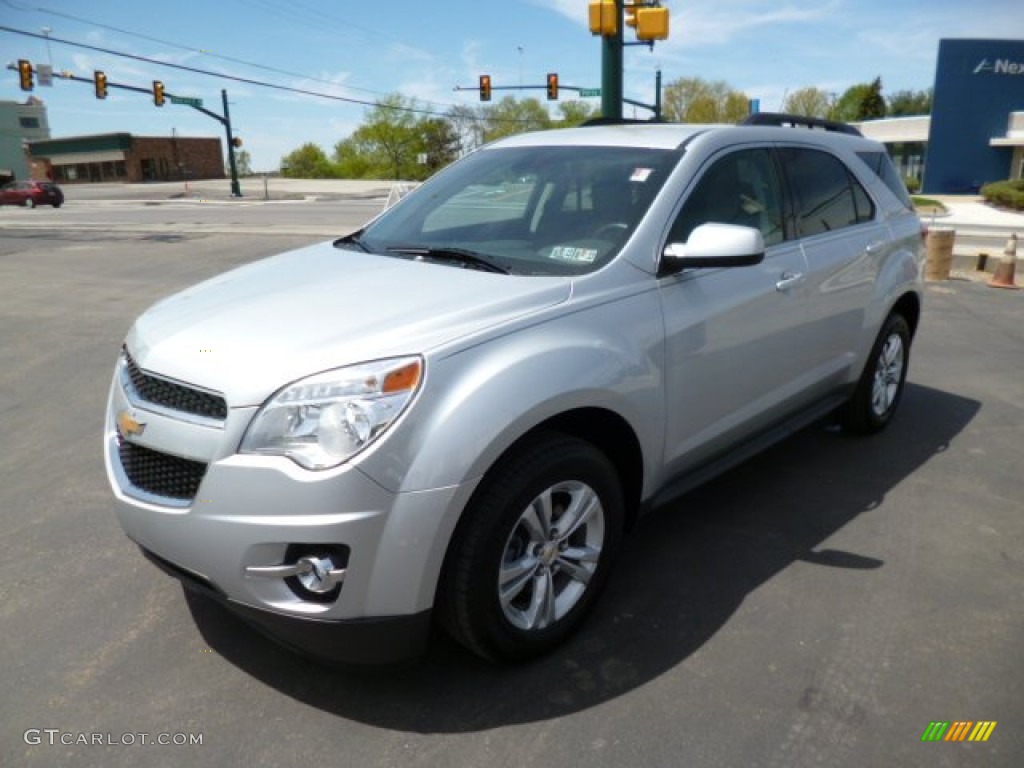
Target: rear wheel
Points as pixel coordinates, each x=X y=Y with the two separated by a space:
x=534 y=549
x=878 y=393
x=29 y=203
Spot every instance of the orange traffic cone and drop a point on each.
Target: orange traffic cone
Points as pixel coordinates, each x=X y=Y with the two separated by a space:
x=1004 y=276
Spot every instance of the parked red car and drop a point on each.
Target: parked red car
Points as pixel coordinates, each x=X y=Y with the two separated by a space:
x=31 y=193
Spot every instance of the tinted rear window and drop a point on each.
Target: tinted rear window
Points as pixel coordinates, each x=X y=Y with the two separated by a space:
x=828 y=196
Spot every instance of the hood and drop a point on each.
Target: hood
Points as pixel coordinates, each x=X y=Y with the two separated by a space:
x=254 y=329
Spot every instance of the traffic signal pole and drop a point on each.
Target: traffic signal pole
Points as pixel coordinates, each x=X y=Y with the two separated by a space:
x=24 y=68
x=236 y=189
x=611 y=68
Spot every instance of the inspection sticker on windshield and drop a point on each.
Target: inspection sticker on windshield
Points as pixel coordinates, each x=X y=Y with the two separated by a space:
x=640 y=175
x=574 y=255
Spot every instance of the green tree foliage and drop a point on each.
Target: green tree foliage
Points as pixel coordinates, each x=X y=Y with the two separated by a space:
x=807 y=102
x=510 y=116
x=910 y=103
x=847 y=108
x=468 y=126
x=307 y=162
x=863 y=101
x=395 y=141
x=873 y=105
x=439 y=144
x=243 y=163
x=575 y=113
x=694 y=100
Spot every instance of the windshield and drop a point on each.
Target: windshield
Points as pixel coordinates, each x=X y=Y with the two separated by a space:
x=527 y=210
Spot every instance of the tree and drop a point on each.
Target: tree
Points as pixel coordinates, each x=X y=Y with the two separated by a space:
x=468 y=125
x=306 y=162
x=439 y=142
x=510 y=116
x=909 y=103
x=872 y=107
x=807 y=102
x=863 y=101
x=575 y=112
x=243 y=163
x=390 y=134
x=694 y=100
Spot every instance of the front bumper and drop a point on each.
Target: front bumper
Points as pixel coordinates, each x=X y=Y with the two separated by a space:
x=254 y=511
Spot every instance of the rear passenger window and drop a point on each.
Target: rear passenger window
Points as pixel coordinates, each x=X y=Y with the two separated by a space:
x=827 y=196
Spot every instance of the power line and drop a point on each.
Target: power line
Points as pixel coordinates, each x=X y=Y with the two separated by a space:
x=253 y=81
x=190 y=49
x=235 y=78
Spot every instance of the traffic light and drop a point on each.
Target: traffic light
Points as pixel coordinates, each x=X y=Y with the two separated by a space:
x=158 y=93
x=485 y=87
x=552 y=86
x=25 y=74
x=604 y=18
x=99 y=80
x=236 y=142
x=631 y=10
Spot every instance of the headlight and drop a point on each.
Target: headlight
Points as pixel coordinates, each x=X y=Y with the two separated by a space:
x=322 y=421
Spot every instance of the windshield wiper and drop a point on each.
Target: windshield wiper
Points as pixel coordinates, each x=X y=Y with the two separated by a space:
x=352 y=239
x=468 y=259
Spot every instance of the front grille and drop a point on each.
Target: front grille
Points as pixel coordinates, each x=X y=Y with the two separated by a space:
x=161 y=474
x=170 y=394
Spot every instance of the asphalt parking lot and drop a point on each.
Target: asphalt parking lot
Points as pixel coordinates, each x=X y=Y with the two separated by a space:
x=820 y=605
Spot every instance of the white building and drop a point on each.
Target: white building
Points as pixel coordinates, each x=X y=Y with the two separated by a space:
x=20 y=123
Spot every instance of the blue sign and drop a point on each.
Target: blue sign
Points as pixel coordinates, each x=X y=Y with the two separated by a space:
x=978 y=83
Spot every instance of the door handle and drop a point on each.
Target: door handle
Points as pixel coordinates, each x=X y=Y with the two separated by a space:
x=787 y=280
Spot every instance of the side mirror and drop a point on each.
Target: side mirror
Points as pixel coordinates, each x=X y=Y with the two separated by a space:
x=714 y=245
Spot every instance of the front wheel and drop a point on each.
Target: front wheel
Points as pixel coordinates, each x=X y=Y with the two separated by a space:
x=534 y=549
x=29 y=203
x=878 y=393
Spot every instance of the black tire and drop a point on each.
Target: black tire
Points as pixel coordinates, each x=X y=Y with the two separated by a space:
x=878 y=393
x=29 y=203
x=549 y=580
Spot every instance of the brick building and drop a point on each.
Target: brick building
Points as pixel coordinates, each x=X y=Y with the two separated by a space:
x=126 y=158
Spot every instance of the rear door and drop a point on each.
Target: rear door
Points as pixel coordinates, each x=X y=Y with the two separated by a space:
x=844 y=243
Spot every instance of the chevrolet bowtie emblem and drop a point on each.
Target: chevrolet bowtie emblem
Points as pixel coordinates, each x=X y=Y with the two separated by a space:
x=128 y=426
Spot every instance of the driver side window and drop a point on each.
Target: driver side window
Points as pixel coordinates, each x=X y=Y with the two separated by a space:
x=740 y=188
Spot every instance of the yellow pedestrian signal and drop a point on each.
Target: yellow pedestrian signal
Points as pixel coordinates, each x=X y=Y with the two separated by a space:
x=99 y=80
x=552 y=86
x=651 y=23
x=485 y=87
x=25 y=74
x=158 y=93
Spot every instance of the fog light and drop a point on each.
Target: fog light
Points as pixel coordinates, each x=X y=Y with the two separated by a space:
x=311 y=572
x=319 y=574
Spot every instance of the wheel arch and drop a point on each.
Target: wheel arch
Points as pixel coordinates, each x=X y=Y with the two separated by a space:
x=606 y=430
x=909 y=306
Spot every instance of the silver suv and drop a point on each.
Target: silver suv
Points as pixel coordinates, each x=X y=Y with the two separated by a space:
x=456 y=412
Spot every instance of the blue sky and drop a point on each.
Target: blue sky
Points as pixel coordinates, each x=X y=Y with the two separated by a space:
x=365 y=50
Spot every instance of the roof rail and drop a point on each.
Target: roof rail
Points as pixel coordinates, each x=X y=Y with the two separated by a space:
x=782 y=119
x=617 y=121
